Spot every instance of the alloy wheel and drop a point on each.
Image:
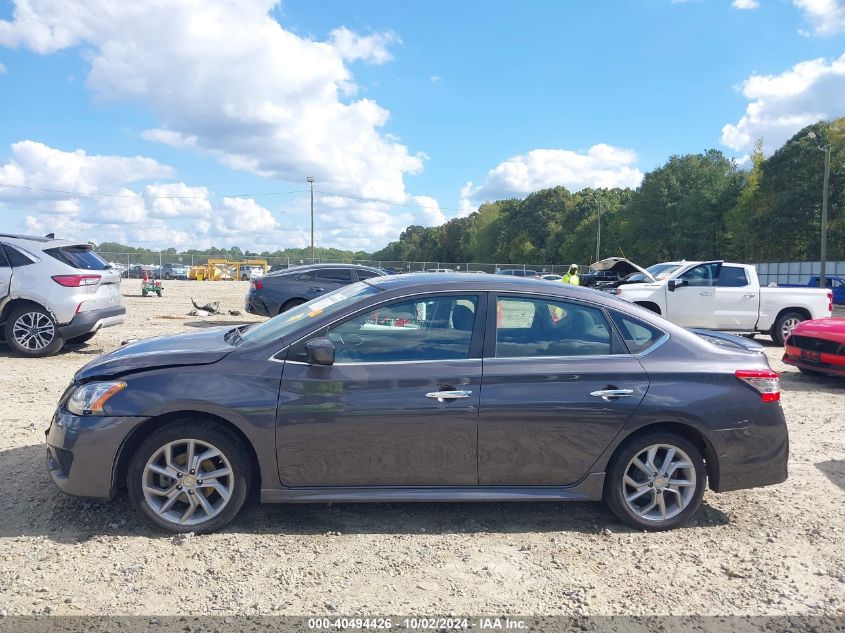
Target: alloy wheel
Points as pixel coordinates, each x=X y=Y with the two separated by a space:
x=787 y=326
x=188 y=482
x=659 y=482
x=34 y=331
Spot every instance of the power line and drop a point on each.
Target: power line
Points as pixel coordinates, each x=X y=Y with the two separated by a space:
x=82 y=194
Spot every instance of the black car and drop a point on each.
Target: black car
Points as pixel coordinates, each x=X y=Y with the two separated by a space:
x=425 y=387
x=277 y=292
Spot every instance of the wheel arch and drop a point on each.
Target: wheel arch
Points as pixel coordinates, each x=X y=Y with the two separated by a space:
x=802 y=311
x=17 y=302
x=688 y=432
x=133 y=440
x=290 y=300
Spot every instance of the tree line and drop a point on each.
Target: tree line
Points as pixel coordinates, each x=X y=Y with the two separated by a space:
x=695 y=206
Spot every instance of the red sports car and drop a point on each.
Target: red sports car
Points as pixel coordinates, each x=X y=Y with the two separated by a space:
x=817 y=347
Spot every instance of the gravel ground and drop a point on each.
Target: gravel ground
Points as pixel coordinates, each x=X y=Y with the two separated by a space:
x=777 y=550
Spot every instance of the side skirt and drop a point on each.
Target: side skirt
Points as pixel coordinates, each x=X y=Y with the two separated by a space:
x=588 y=489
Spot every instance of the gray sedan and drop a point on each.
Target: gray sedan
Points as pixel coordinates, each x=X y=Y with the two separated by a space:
x=425 y=388
x=279 y=291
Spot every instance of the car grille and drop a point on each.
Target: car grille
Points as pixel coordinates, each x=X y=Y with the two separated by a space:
x=820 y=345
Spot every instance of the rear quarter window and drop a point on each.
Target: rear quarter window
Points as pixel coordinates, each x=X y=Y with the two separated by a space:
x=78 y=257
x=638 y=335
x=15 y=257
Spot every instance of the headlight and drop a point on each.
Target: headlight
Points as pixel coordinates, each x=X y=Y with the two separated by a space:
x=89 y=399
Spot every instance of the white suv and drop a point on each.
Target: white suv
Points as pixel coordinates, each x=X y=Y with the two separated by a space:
x=54 y=291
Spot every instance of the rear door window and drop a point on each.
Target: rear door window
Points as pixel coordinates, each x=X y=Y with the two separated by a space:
x=530 y=328
x=4 y=262
x=335 y=275
x=78 y=257
x=732 y=277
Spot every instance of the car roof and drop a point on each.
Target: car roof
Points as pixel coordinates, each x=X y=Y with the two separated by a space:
x=424 y=282
x=40 y=242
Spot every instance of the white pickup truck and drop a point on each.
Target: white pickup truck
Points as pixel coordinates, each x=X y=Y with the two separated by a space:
x=721 y=296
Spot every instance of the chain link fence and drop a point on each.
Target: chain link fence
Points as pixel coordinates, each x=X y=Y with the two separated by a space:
x=129 y=261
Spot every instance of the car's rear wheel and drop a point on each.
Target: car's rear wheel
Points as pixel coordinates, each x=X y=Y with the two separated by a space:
x=784 y=325
x=292 y=303
x=189 y=476
x=656 y=482
x=32 y=331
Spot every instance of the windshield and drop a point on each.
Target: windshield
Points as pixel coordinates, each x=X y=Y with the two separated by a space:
x=277 y=328
x=661 y=271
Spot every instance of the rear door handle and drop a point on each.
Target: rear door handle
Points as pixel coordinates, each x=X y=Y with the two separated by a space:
x=608 y=394
x=442 y=396
x=706 y=294
x=315 y=289
x=750 y=295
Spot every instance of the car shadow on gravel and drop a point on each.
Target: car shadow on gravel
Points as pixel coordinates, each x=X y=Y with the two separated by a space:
x=796 y=381
x=32 y=506
x=834 y=470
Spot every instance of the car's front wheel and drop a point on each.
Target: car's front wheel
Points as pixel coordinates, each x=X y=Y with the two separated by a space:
x=656 y=482
x=189 y=476
x=32 y=331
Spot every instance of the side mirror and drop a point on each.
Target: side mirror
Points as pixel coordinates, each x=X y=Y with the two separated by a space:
x=320 y=351
x=676 y=283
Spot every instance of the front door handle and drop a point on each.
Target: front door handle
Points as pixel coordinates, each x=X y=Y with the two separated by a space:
x=706 y=293
x=609 y=394
x=443 y=396
x=750 y=295
x=315 y=289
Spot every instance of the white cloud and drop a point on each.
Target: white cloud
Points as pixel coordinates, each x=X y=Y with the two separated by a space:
x=37 y=166
x=177 y=200
x=745 y=4
x=780 y=105
x=600 y=166
x=826 y=16
x=227 y=79
x=243 y=216
x=435 y=79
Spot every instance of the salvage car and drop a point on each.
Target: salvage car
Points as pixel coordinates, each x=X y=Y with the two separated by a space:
x=723 y=296
x=280 y=291
x=817 y=347
x=425 y=387
x=54 y=292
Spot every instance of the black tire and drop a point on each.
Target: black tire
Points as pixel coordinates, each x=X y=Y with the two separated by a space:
x=291 y=303
x=614 y=483
x=244 y=278
x=778 y=335
x=78 y=340
x=33 y=348
x=205 y=432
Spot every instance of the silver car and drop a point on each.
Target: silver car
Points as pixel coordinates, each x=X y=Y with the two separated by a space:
x=54 y=292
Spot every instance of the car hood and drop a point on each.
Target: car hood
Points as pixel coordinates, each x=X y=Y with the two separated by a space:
x=832 y=329
x=620 y=265
x=193 y=348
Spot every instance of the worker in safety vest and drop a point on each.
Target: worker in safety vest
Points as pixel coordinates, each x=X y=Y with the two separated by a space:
x=572 y=276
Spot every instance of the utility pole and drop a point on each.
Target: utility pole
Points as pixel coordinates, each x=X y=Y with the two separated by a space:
x=598 y=234
x=823 y=265
x=311 y=181
x=823 y=251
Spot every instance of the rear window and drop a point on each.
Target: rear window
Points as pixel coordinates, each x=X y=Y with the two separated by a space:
x=638 y=336
x=366 y=274
x=78 y=257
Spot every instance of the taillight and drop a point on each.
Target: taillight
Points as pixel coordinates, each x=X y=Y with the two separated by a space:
x=74 y=281
x=765 y=381
x=256 y=283
x=830 y=301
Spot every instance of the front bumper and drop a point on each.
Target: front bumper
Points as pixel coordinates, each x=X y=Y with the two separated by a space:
x=92 y=320
x=836 y=368
x=754 y=455
x=82 y=452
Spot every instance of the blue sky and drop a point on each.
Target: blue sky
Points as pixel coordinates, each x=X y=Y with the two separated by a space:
x=416 y=111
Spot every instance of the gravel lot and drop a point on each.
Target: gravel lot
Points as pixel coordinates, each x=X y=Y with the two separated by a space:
x=778 y=550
